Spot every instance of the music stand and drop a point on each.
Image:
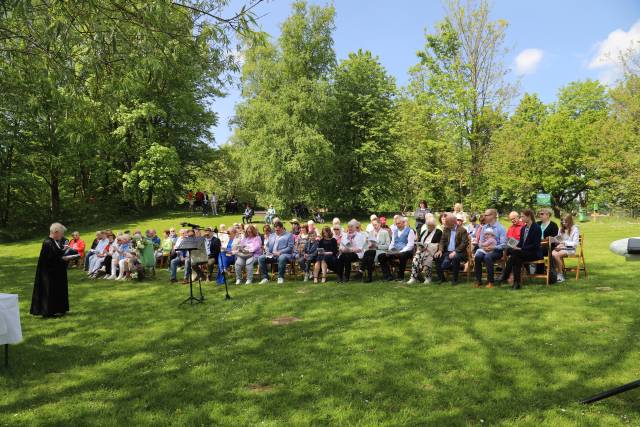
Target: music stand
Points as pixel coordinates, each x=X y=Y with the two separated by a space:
x=190 y=244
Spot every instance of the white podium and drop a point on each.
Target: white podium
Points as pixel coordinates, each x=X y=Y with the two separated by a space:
x=10 y=329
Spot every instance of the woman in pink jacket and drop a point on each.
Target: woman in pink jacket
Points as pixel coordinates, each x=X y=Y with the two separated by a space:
x=247 y=252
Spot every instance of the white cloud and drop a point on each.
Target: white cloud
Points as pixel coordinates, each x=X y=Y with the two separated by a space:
x=608 y=51
x=527 y=61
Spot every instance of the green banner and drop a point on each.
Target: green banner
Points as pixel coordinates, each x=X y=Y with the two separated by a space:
x=543 y=199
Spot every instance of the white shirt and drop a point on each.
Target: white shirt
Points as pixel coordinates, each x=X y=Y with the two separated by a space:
x=411 y=239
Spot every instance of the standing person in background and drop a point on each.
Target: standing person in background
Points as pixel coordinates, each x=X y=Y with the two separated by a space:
x=205 y=204
x=199 y=198
x=50 y=287
x=190 y=200
x=214 y=203
x=420 y=215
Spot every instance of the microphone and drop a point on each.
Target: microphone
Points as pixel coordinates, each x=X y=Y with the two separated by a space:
x=628 y=248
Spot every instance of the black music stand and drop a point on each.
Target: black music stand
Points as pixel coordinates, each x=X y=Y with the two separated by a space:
x=190 y=244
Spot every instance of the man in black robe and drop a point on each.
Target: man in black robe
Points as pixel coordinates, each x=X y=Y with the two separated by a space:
x=50 y=288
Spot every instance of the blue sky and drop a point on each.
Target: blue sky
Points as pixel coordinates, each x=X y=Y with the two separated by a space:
x=551 y=42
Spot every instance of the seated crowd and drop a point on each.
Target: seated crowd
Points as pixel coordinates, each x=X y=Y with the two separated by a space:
x=441 y=245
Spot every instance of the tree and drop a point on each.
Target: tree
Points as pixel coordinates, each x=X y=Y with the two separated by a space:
x=365 y=161
x=155 y=177
x=463 y=76
x=282 y=124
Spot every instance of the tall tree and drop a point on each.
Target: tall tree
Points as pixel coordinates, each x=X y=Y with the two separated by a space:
x=461 y=70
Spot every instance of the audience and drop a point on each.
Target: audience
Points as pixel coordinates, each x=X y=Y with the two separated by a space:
x=445 y=241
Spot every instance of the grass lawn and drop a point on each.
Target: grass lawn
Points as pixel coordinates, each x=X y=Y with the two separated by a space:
x=362 y=354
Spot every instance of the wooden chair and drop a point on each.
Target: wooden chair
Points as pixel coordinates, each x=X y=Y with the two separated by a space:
x=581 y=265
x=546 y=262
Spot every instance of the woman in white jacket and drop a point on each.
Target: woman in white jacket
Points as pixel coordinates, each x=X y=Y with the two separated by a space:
x=377 y=243
x=569 y=234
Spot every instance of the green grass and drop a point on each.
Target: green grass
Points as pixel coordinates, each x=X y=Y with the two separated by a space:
x=363 y=354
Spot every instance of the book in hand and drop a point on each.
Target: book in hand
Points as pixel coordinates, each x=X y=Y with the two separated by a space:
x=512 y=243
x=70 y=257
x=557 y=239
x=320 y=251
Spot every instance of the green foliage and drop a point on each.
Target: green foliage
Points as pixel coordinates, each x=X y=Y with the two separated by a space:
x=155 y=176
x=89 y=87
x=365 y=162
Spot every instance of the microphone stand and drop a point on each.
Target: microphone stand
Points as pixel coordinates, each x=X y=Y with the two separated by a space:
x=612 y=392
x=191 y=298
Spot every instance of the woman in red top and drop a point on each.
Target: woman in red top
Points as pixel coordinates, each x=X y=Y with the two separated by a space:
x=77 y=243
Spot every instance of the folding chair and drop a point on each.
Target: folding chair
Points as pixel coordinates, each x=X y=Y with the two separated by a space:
x=545 y=261
x=581 y=265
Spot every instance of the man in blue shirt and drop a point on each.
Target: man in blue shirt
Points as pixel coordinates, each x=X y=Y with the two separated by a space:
x=497 y=252
x=280 y=252
x=452 y=249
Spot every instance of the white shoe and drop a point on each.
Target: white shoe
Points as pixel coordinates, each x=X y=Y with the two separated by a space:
x=280 y=280
x=238 y=282
x=427 y=280
x=248 y=282
x=264 y=281
x=560 y=278
x=411 y=281
x=112 y=277
x=306 y=277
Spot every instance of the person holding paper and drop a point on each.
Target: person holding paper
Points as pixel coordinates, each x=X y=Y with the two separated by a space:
x=528 y=249
x=50 y=287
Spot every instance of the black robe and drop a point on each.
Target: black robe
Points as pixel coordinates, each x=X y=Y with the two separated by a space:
x=50 y=288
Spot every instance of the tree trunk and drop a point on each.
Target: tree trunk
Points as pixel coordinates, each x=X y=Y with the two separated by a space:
x=54 y=187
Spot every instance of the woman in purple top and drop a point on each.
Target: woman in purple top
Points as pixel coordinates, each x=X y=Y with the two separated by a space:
x=247 y=252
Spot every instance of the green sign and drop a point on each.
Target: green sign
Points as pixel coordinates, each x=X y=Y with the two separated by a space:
x=543 y=199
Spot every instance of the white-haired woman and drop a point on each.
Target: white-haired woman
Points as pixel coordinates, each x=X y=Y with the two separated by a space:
x=377 y=243
x=351 y=250
x=50 y=287
x=426 y=248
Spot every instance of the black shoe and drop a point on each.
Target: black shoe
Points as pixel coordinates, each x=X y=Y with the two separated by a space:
x=454 y=282
x=516 y=287
x=388 y=279
x=368 y=280
x=339 y=280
